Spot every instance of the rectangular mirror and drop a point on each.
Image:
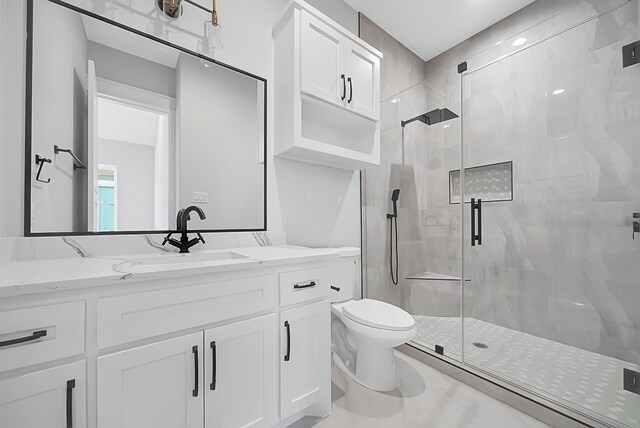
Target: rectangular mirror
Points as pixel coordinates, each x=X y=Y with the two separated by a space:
x=124 y=129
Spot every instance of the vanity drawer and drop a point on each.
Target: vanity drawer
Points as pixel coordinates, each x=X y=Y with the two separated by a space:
x=131 y=317
x=39 y=334
x=302 y=286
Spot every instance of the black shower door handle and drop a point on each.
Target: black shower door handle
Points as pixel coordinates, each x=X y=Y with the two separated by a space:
x=287 y=357
x=476 y=208
x=344 y=87
x=479 y=210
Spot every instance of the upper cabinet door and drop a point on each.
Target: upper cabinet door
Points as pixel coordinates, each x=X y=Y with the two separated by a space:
x=305 y=357
x=363 y=81
x=50 y=398
x=153 y=386
x=321 y=61
x=241 y=380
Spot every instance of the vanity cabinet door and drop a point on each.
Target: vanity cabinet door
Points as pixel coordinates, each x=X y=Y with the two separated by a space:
x=241 y=380
x=321 y=61
x=154 y=386
x=305 y=357
x=50 y=398
x=363 y=81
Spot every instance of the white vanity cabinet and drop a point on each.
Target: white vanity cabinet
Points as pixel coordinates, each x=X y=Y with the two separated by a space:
x=241 y=382
x=157 y=385
x=327 y=92
x=305 y=339
x=204 y=350
x=50 y=398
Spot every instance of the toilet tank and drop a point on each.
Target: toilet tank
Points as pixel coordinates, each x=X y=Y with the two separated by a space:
x=344 y=273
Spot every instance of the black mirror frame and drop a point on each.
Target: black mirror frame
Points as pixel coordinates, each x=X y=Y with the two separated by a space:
x=28 y=126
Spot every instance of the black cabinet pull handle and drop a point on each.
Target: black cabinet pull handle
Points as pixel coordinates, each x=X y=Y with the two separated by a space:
x=344 y=88
x=309 y=285
x=334 y=288
x=195 y=360
x=350 y=90
x=34 y=336
x=214 y=366
x=479 y=237
x=288 y=327
x=70 y=385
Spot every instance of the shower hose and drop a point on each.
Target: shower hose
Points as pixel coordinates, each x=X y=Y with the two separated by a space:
x=392 y=226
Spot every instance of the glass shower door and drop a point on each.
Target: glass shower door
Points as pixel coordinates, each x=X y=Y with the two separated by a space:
x=551 y=155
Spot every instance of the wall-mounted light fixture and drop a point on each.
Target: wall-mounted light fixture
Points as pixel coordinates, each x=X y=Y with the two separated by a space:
x=171 y=8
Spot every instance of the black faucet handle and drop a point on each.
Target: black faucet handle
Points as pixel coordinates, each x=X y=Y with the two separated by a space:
x=166 y=238
x=201 y=239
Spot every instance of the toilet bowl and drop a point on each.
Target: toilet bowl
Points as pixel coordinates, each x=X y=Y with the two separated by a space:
x=364 y=332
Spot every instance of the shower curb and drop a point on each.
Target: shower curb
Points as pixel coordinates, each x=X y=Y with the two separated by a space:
x=533 y=405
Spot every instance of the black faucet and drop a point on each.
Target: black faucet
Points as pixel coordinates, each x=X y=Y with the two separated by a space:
x=181 y=225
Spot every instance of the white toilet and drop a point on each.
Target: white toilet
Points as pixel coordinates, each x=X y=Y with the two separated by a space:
x=364 y=332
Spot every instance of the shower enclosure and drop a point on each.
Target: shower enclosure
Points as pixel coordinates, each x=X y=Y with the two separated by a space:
x=518 y=254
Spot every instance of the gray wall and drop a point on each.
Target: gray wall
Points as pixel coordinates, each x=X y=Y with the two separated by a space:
x=119 y=66
x=557 y=261
x=59 y=82
x=135 y=164
x=218 y=142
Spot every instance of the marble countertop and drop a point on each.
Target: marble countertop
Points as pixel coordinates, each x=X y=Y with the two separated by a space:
x=46 y=275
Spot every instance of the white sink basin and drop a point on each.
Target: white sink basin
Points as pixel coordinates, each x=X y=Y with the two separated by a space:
x=179 y=261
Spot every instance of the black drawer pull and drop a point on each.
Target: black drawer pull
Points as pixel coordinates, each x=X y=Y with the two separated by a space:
x=300 y=286
x=195 y=360
x=34 y=336
x=214 y=366
x=70 y=385
x=334 y=288
x=288 y=327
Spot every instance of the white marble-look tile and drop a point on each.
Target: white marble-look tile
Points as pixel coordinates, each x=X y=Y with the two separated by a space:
x=424 y=398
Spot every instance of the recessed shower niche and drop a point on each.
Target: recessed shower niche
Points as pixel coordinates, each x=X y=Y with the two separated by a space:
x=491 y=183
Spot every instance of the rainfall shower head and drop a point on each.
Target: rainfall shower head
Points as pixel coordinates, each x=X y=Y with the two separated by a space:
x=431 y=118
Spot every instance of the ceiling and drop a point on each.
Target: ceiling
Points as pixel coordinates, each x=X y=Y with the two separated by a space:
x=430 y=27
x=125 y=41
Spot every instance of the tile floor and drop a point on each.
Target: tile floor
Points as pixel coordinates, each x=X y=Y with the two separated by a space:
x=590 y=380
x=425 y=398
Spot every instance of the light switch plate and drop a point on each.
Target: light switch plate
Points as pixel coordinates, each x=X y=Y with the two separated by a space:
x=200 y=198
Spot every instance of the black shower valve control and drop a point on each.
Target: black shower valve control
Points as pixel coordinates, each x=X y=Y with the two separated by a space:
x=631 y=54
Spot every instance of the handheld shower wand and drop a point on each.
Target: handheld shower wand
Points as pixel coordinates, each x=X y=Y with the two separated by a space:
x=394 y=225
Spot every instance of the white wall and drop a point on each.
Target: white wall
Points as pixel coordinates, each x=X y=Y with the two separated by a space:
x=12 y=110
x=331 y=199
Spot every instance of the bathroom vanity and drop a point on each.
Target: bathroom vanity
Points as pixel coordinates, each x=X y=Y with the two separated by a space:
x=221 y=338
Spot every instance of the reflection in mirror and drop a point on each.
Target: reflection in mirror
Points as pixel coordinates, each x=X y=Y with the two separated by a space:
x=147 y=128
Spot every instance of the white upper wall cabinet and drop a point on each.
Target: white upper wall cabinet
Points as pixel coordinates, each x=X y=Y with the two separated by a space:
x=327 y=92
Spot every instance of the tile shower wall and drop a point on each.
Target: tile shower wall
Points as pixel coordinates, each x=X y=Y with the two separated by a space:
x=559 y=262
x=571 y=277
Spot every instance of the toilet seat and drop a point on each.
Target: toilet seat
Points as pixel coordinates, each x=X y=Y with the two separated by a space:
x=377 y=314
